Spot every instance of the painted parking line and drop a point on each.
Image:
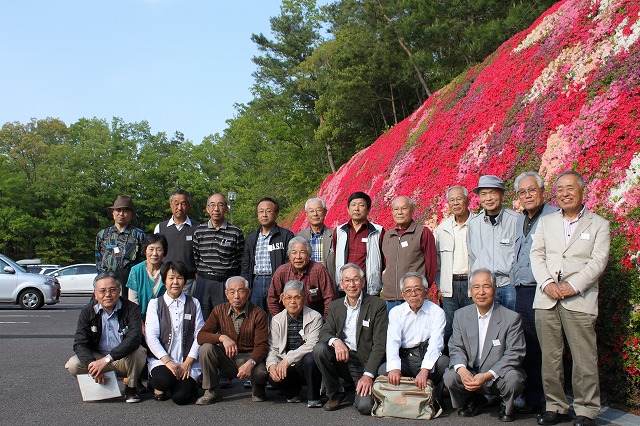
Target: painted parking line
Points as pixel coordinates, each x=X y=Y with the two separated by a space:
x=24 y=316
x=15 y=322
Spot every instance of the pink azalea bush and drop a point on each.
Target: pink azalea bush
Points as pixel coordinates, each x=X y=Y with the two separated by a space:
x=563 y=94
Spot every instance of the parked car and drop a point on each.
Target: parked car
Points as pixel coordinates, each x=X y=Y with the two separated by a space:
x=36 y=266
x=30 y=291
x=76 y=280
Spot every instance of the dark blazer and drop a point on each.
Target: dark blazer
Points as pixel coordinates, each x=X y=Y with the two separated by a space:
x=504 y=346
x=329 y=255
x=371 y=332
x=280 y=241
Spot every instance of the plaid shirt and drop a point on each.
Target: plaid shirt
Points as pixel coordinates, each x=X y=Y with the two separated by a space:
x=317 y=254
x=263 y=261
x=118 y=250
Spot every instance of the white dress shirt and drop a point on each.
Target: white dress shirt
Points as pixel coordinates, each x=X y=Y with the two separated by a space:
x=156 y=230
x=152 y=336
x=483 y=325
x=408 y=329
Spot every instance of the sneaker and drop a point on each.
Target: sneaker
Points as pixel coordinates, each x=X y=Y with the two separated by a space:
x=259 y=398
x=247 y=384
x=314 y=403
x=225 y=383
x=294 y=399
x=334 y=401
x=209 y=397
x=131 y=395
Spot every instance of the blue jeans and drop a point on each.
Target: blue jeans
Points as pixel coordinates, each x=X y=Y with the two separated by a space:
x=459 y=299
x=506 y=296
x=261 y=284
x=392 y=304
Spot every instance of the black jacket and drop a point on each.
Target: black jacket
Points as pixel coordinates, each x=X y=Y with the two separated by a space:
x=89 y=331
x=280 y=240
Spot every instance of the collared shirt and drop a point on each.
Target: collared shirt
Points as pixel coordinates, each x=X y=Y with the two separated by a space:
x=117 y=250
x=483 y=325
x=351 y=323
x=317 y=254
x=358 y=244
x=171 y=222
x=263 y=260
x=460 y=254
x=111 y=336
x=152 y=324
x=408 y=330
x=218 y=251
x=237 y=319
x=530 y=221
x=294 y=327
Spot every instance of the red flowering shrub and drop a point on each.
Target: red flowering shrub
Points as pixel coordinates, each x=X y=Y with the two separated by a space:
x=563 y=94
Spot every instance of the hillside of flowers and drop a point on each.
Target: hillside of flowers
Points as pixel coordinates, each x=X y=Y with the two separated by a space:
x=563 y=94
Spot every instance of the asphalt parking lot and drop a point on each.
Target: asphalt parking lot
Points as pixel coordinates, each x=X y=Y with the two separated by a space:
x=35 y=387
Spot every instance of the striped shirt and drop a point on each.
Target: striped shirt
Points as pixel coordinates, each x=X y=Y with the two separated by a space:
x=218 y=251
x=294 y=327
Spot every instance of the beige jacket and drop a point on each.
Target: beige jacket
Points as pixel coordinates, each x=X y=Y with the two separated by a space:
x=311 y=324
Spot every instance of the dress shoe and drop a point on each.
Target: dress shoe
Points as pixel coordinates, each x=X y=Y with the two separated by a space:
x=584 y=421
x=160 y=396
x=550 y=418
x=334 y=401
x=131 y=395
x=209 y=397
x=504 y=417
x=259 y=397
x=472 y=406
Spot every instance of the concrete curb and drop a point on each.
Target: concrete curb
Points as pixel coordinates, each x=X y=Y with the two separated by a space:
x=612 y=416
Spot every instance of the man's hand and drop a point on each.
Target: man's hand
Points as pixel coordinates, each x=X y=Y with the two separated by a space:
x=230 y=347
x=393 y=376
x=364 y=386
x=97 y=369
x=421 y=379
x=566 y=289
x=468 y=379
x=273 y=373
x=342 y=351
x=281 y=368
x=244 y=371
x=175 y=368
x=553 y=291
x=440 y=297
x=186 y=368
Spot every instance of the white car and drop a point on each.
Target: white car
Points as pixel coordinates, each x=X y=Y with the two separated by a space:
x=76 y=280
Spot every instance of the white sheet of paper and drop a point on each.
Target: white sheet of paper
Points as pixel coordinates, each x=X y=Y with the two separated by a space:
x=92 y=391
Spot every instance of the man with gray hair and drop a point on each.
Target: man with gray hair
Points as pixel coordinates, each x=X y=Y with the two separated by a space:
x=569 y=253
x=179 y=234
x=108 y=336
x=529 y=188
x=234 y=340
x=415 y=337
x=491 y=237
x=407 y=247
x=316 y=278
x=294 y=333
x=453 y=257
x=486 y=351
x=319 y=235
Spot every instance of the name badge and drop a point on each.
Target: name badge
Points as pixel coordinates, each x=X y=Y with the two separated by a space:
x=404 y=244
x=189 y=237
x=496 y=342
x=187 y=317
x=585 y=236
x=94 y=329
x=505 y=241
x=301 y=333
x=365 y=323
x=313 y=291
x=365 y=239
x=116 y=249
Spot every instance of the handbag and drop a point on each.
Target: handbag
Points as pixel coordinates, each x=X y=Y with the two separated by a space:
x=405 y=400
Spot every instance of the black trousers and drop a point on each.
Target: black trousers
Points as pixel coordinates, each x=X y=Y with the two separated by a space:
x=182 y=391
x=532 y=364
x=306 y=371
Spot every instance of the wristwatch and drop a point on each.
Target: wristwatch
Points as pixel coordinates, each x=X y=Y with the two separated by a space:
x=108 y=359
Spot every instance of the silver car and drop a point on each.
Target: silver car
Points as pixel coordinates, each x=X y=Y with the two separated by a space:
x=30 y=291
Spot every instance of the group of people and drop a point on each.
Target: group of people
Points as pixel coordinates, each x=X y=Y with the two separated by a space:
x=335 y=308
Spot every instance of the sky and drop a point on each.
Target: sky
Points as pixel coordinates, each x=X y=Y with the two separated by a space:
x=181 y=65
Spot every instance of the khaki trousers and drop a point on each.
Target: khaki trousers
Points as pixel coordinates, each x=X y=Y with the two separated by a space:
x=579 y=328
x=130 y=366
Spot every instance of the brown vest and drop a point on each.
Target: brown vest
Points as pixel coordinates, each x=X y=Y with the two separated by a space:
x=402 y=254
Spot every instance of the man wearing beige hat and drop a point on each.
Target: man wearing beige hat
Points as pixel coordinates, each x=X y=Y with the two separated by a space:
x=491 y=237
x=119 y=247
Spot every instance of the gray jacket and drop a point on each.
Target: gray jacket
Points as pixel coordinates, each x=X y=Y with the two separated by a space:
x=521 y=273
x=492 y=246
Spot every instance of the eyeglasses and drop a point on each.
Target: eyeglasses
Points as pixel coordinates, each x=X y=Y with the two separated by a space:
x=529 y=191
x=109 y=290
x=317 y=211
x=348 y=281
x=290 y=298
x=218 y=205
x=413 y=290
x=268 y=211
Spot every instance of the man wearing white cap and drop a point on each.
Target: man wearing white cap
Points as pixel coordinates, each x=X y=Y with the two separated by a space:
x=491 y=237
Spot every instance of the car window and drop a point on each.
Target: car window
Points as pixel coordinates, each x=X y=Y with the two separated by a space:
x=87 y=269
x=2 y=265
x=68 y=271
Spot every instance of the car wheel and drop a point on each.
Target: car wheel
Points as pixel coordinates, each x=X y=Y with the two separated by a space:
x=30 y=299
